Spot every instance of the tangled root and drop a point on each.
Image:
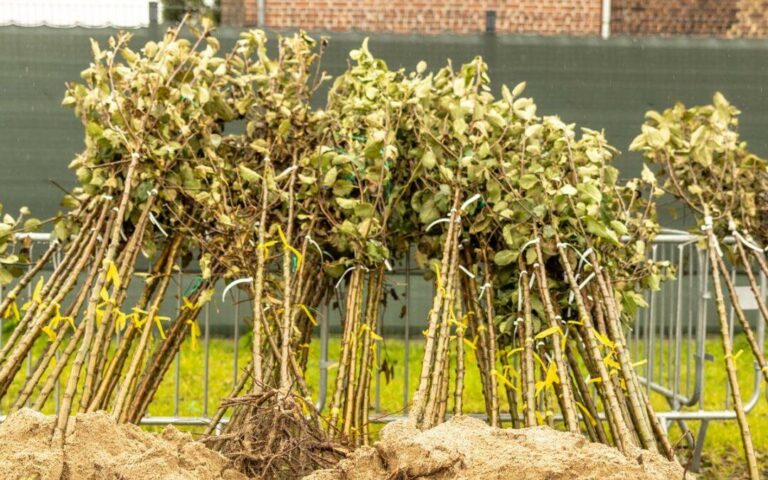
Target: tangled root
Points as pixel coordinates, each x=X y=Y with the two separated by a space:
x=275 y=436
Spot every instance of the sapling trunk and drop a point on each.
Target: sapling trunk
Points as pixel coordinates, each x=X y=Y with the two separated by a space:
x=442 y=357
x=50 y=353
x=730 y=364
x=489 y=322
x=622 y=435
x=458 y=397
x=115 y=366
x=529 y=388
x=354 y=289
x=26 y=327
x=613 y=323
x=586 y=397
x=119 y=409
x=22 y=283
x=568 y=405
x=662 y=440
x=419 y=400
x=511 y=396
x=753 y=284
x=258 y=284
x=14 y=361
x=114 y=228
x=98 y=352
x=160 y=362
x=741 y=316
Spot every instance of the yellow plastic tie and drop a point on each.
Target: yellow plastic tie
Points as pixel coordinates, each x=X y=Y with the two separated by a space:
x=288 y=246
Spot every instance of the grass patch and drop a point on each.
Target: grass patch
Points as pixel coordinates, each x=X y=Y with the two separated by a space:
x=723 y=454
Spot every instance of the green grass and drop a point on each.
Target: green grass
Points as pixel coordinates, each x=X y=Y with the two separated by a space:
x=723 y=454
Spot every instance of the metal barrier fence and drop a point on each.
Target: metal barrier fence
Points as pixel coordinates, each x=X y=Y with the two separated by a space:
x=668 y=337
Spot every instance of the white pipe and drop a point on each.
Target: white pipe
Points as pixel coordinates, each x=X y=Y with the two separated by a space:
x=261 y=7
x=605 y=26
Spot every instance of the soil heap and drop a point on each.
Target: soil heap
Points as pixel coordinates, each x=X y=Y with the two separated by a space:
x=467 y=448
x=98 y=448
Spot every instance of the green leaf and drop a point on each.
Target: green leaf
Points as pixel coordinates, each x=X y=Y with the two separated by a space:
x=428 y=160
x=330 y=177
x=647 y=175
x=248 y=174
x=596 y=228
x=5 y=277
x=505 y=257
x=364 y=210
x=527 y=181
x=590 y=193
x=347 y=203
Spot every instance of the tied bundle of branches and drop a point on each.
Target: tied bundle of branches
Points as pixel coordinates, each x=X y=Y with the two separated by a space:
x=530 y=249
x=148 y=115
x=705 y=164
x=537 y=253
x=262 y=214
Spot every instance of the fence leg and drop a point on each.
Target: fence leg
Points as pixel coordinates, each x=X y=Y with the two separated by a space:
x=696 y=458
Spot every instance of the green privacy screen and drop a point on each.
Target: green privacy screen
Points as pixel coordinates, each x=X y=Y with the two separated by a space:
x=595 y=83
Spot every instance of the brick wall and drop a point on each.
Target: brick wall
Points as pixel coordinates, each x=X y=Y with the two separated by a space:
x=720 y=18
x=751 y=20
x=678 y=17
x=548 y=17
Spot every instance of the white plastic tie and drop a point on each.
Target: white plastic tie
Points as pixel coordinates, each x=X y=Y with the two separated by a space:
x=528 y=244
x=316 y=245
x=436 y=222
x=583 y=258
x=482 y=290
x=107 y=197
x=234 y=284
x=157 y=224
x=467 y=272
x=747 y=242
x=286 y=172
x=470 y=201
x=341 y=279
x=717 y=247
x=586 y=281
x=387 y=265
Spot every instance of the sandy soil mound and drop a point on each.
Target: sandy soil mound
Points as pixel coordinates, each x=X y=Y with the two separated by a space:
x=466 y=448
x=97 y=448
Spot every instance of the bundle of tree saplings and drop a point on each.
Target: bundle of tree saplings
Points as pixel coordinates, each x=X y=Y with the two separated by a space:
x=536 y=252
x=261 y=211
x=523 y=227
x=705 y=165
x=149 y=117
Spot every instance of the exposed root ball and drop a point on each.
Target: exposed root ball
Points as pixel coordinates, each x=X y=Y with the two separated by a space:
x=273 y=437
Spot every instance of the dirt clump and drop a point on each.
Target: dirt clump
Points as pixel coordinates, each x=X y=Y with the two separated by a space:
x=467 y=448
x=98 y=448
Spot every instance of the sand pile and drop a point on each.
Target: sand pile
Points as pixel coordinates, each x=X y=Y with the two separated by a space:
x=466 y=448
x=97 y=448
